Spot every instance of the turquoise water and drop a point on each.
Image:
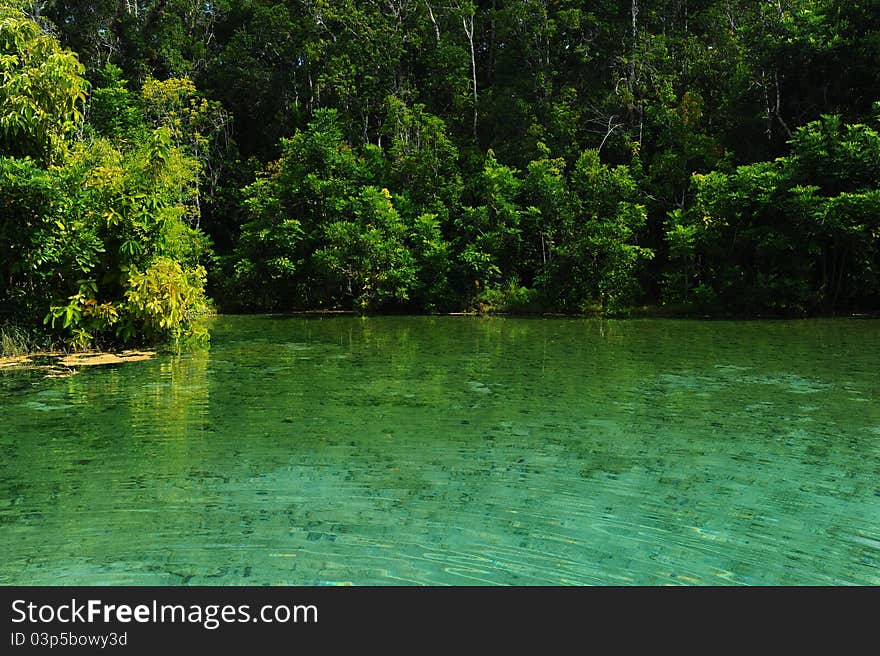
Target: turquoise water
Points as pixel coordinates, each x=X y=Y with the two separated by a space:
x=454 y=450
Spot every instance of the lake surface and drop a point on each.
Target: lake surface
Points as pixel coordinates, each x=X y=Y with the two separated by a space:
x=454 y=450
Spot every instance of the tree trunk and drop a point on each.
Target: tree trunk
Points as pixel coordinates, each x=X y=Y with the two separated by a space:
x=468 y=24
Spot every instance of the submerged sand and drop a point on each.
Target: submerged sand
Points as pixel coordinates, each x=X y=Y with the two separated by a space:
x=57 y=365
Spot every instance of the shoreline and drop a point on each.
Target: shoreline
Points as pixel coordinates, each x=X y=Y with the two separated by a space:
x=58 y=360
x=58 y=364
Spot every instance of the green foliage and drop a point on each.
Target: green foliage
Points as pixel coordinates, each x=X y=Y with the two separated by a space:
x=432 y=256
x=795 y=235
x=196 y=124
x=719 y=156
x=835 y=156
x=288 y=207
x=19 y=340
x=490 y=232
x=129 y=210
x=113 y=110
x=319 y=234
x=512 y=298
x=366 y=256
x=165 y=300
x=42 y=90
x=595 y=255
x=423 y=160
x=79 y=223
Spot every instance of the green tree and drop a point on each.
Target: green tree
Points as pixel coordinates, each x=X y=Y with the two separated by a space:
x=366 y=256
x=95 y=234
x=289 y=207
x=596 y=255
x=42 y=90
x=489 y=234
x=795 y=235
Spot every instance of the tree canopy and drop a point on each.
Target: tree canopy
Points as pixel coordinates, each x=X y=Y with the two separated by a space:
x=710 y=156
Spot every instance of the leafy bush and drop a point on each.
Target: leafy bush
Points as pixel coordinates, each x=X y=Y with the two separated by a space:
x=42 y=90
x=795 y=235
x=164 y=301
x=97 y=236
x=513 y=299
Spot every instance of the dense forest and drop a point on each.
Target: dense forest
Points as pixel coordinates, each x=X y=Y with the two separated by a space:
x=710 y=157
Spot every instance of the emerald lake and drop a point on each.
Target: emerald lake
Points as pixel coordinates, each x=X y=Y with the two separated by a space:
x=453 y=450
